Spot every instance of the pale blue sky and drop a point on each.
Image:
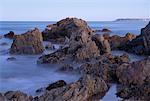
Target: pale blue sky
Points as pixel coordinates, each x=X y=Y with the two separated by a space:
x=91 y=10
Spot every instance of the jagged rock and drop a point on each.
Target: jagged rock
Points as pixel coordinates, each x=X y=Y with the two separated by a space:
x=80 y=46
x=116 y=42
x=17 y=96
x=64 y=28
x=28 y=43
x=55 y=57
x=141 y=44
x=134 y=73
x=102 y=43
x=83 y=90
x=135 y=92
x=56 y=84
x=9 y=35
x=50 y=46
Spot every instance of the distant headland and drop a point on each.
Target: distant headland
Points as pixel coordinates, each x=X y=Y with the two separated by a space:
x=133 y=19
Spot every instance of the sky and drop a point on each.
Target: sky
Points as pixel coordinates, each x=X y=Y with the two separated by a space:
x=90 y=10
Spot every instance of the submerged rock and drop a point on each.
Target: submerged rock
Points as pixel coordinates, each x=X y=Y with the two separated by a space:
x=30 y=42
x=106 y=30
x=9 y=35
x=4 y=44
x=66 y=67
x=11 y=59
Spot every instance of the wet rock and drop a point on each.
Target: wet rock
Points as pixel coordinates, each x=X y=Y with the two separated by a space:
x=66 y=67
x=102 y=43
x=83 y=90
x=9 y=35
x=141 y=44
x=80 y=46
x=56 y=84
x=30 y=42
x=134 y=73
x=11 y=59
x=40 y=90
x=17 y=96
x=50 y=46
x=106 y=30
x=4 y=44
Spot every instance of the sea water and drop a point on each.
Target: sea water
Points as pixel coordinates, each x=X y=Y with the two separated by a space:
x=25 y=75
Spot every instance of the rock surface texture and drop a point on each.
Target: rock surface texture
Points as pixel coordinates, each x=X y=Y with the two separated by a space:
x=30 y=42
x=141 y=44
x=80 y=45
x=9 y=35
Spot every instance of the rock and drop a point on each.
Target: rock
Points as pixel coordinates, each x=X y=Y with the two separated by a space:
x=145 y=32
x=17 y=96
x=4 y=44
x=117 y=42
x=50 y=46
x=64 y=28
x=66 y=67
x=134 y=73
x=106 y=30
x=80 y=46
x=9 y=35
x=40 y=90
x=85 y=89
x=141 y=44
x=2 y=97
x=11 y=59
x=30 y=42
x=56 y=57
x=56 y=84
x=102 y=43
x=135 y=92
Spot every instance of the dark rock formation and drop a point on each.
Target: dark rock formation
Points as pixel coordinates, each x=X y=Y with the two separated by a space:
x=56 y=84
x=83 y=90
x=135 y=92
x=28 y=43
x=9 y=35
x=64 y=28
x=80 y=46
x=116 y=42
x=102 y=43
x=141 y=44
x=11 y=59
x=15 y=96
x=134 y=73
x=106 y=30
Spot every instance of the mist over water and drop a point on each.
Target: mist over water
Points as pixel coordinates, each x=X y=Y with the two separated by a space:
x=26 y=75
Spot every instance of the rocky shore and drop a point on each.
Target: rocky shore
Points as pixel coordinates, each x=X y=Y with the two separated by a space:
x=96 y=64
